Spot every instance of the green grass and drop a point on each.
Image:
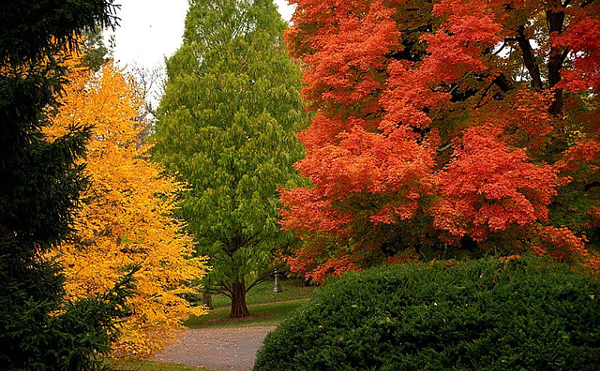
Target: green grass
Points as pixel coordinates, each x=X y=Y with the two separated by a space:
x=151 y=366
x=266 y=308
x=263 y=293
x=270 y=314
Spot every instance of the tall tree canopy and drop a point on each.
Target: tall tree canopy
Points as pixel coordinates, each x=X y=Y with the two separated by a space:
x=125 y=219
x=227 y=124
x=446 y=124
x=40 y=183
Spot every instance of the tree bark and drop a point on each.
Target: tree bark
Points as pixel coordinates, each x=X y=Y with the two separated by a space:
x=238 y=300
x=555 y=59
x=528 y=59
x=207 y=300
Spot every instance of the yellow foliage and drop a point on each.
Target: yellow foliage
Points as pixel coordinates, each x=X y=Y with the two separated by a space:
x=125 y=217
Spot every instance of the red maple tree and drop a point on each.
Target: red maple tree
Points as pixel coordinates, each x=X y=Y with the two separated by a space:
x=458 y=124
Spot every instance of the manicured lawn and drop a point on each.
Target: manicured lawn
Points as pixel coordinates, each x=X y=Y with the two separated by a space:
x=263 y=293
x=269 y=314
x=152 y=366
x=267 y=308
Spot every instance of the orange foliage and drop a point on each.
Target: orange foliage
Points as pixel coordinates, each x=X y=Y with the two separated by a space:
x=488 y=188
x=125 y=218
x=317 y=266
x=443 y=123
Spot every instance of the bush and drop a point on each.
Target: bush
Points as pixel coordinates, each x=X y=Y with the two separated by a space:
x=526 y=314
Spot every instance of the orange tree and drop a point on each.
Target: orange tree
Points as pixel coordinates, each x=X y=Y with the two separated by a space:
x=470 y=125
x=125 y=218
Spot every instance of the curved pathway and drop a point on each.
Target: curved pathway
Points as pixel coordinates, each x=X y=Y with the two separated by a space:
x=223 y=349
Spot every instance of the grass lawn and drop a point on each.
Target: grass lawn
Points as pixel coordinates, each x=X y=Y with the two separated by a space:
x=263 y=293
x=267 y=308
x=151 y=366
x=269 y=314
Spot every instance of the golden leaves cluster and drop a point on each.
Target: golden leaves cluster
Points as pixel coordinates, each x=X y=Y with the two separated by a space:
x=125 y=218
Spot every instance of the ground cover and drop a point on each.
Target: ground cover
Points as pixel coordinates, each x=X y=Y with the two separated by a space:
x=266 y=307
x=267 y=314
x=263 y=293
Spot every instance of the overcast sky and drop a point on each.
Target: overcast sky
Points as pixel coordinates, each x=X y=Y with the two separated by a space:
x=152 y=29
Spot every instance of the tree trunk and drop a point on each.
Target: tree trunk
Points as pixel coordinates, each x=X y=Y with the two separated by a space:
x=238 y=300
x=556 y=59
x=207 y=300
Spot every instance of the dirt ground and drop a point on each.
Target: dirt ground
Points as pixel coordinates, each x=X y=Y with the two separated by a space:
x=223 y=349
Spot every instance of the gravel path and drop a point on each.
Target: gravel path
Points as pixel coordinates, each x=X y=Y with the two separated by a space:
x=223 y=349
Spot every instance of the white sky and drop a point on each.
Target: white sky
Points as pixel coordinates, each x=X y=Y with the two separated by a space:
x=151 y=30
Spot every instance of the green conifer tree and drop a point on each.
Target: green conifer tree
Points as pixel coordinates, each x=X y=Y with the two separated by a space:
x=39 y=190
x=227 y=124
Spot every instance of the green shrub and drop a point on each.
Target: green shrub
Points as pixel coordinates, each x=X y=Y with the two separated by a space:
x=479 y=315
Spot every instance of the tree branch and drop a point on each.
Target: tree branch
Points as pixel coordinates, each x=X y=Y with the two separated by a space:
x=532 y=67
x=259 y=280
x=556 y=58
x=503 y=82
x=228 y=290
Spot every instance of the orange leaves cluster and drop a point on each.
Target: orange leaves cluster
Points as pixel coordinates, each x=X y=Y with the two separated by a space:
x=125 y=218
x=488 y=187
x=317 y=264
x=429 y=130
x=456 y=48
x=560 y=243
x=347 y=50
x=582 y=38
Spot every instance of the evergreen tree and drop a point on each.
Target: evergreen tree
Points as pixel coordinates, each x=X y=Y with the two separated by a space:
x=227 y=125
x=39 y=189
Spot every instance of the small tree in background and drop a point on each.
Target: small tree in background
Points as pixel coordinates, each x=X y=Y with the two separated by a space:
x=451 y=125
x=125 y=219
x=227 y=124
x=40 y=184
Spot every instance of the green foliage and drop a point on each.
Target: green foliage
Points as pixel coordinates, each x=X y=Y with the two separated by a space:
x=227 y=124
x=97 y=53
x=527 y=314
x=39 y=189
x=45 y=334
x=32 y=30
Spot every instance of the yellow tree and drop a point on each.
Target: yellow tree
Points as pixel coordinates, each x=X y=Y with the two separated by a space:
x=125 y=219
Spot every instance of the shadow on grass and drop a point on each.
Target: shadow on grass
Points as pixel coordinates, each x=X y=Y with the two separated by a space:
x=268 y=314
x=263 y=293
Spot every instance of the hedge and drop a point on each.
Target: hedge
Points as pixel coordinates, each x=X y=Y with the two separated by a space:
x=527 y=314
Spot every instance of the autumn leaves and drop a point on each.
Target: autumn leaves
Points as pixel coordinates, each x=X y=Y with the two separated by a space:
x=460 y=127
x=125 y=218
x=430 y=134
